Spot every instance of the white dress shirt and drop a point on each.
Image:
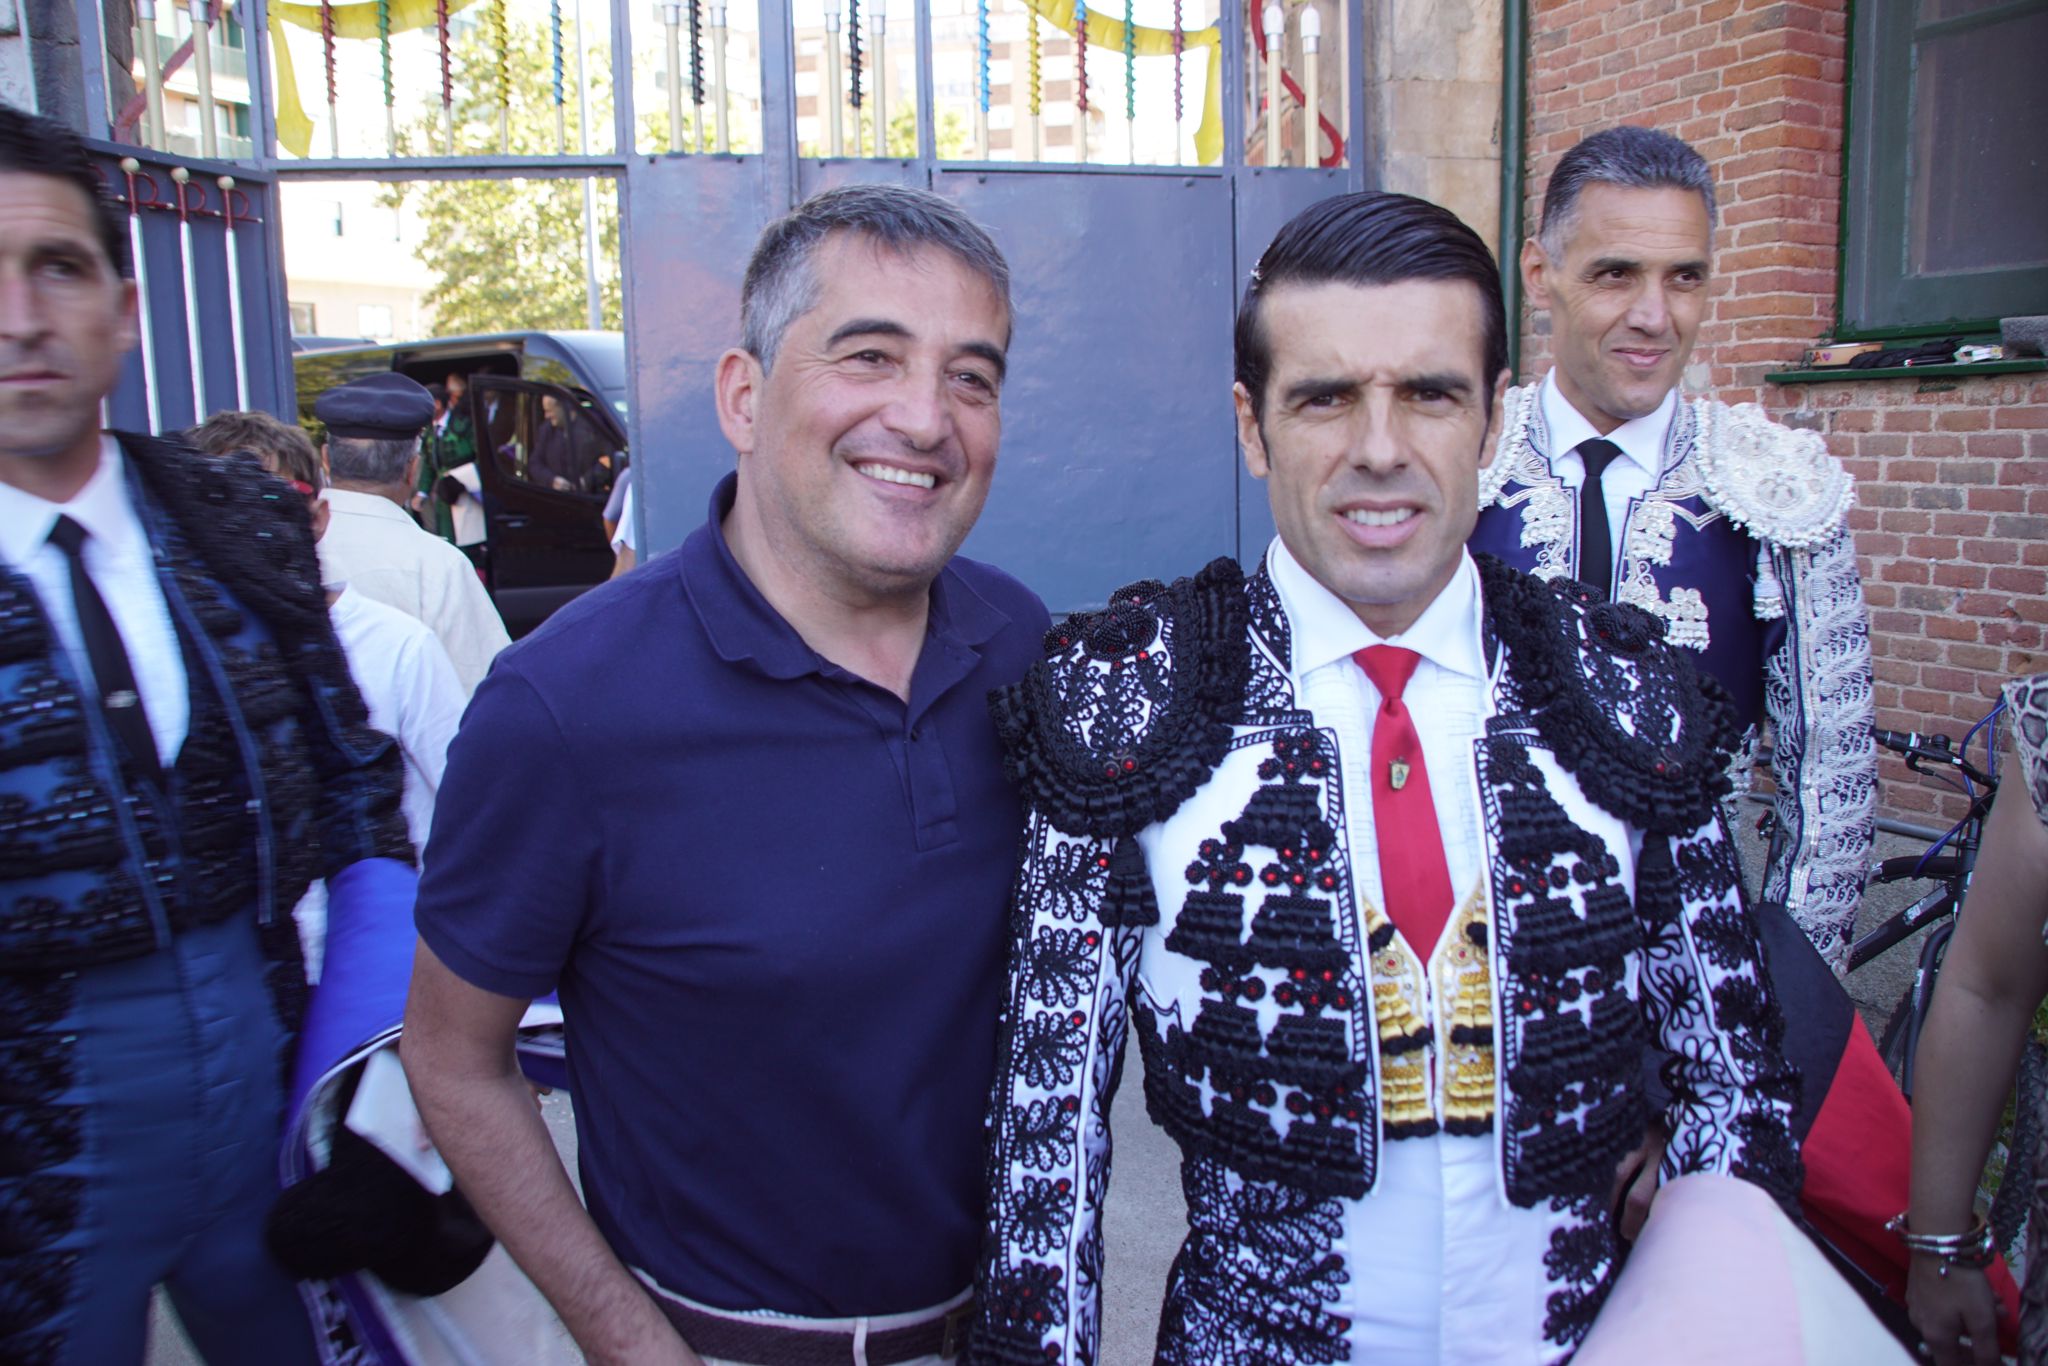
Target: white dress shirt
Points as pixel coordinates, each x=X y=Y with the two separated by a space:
x=1446 y=698
x=410 y=687
x=413 y=696
x=122 y=564
x=1441 y=1268
x=1630 y=476
x=375 y=547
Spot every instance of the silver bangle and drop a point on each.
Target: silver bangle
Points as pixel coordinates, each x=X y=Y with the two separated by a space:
x=1972 y=1249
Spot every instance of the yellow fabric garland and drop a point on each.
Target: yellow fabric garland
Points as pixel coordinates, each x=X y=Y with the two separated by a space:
x=294 y=127
x=1106 y=32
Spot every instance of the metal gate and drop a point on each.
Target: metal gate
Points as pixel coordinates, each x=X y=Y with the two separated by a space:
x=1131 y=162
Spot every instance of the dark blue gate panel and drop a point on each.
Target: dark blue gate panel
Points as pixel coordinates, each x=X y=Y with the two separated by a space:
x=690 y=224
x=167 y=301
x=1266 y=199
x=1118 y=454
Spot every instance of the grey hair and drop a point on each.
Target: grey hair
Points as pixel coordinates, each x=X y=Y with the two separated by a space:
x=370 y=460
x=781 y=285
x=1630 y=157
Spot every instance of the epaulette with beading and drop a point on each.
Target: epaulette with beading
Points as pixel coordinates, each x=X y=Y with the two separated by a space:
x=1645 y=732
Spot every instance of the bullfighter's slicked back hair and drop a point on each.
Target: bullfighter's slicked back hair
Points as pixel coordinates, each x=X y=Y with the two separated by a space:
x=1370 y=238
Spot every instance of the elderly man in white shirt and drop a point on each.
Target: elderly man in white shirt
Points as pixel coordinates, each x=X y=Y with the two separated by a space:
x=374 y=545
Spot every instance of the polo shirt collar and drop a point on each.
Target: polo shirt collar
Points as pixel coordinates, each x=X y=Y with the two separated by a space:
x=101 y=508
x=1641 y=438
x=744 y=628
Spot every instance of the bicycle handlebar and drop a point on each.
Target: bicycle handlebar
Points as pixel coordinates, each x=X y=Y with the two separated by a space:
x=1933 y=748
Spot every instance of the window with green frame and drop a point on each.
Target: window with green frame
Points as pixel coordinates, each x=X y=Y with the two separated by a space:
x=1946 y=196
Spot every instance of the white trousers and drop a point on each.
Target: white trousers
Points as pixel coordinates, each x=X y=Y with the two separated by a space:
x=1444 y=1272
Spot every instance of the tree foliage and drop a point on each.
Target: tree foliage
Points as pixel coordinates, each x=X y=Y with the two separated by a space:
x=508 y=254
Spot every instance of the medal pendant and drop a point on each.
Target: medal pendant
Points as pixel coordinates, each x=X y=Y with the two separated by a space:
x=1397 y=774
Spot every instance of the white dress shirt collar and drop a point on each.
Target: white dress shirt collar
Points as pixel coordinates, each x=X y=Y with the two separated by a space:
x=101 y=508
x=367 y=504
x=1324 y=629
x=1641 y=439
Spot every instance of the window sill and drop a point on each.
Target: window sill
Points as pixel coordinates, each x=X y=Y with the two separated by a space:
x=2023 y=366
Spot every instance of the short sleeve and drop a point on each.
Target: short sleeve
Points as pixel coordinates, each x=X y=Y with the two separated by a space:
x=2027 y=700
x=513 y=854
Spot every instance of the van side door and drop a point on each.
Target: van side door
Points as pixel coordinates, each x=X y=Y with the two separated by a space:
x=546 y=459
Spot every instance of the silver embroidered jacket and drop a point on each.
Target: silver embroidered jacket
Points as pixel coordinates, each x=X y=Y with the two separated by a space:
x=1742 y=548
x=1186 y=876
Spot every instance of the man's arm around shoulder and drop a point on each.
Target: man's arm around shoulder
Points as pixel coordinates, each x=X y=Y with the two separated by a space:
x=459 y=1058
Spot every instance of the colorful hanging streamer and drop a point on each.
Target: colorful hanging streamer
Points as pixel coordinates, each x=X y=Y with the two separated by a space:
x=1035 y=57
x=1130 y=65
x=981 y=52
x=853 y=58
x=555 y=49
x=384 y=51
x=1180 y=44
x=447 y=57
x=697 y=52
x=1081 y=67
x=327 y=48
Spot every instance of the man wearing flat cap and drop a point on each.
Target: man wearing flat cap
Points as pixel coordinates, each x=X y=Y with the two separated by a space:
x=374 y=545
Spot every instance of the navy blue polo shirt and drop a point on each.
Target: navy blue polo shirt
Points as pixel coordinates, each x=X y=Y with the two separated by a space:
x=773 y=898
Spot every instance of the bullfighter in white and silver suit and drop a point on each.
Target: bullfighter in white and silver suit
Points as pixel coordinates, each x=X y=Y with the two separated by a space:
x=1730 y=527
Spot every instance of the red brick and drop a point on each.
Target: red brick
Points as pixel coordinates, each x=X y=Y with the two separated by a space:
x=1951 y=575
x=2029 y=581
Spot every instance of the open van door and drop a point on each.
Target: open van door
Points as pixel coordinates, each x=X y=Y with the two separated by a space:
x=546 y=457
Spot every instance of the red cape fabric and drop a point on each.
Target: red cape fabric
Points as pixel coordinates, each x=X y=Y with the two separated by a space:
x=1859 y=1167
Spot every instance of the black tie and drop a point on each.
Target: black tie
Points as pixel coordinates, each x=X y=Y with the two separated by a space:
x=109 y=659
x=1596 y=543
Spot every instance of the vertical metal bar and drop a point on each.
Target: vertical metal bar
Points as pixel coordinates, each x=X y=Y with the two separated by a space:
x=234 y=258
x=718 y=88
x=881 y=51
x=264 y=125
x=1357 y=129
x=1312 y=78
x=672 y=24
x=778 y=106
x=829 y=94
x=625 y=125
x=152 y=394
x=1230 y=26
x=152 y=73
x=593 y=296
x=195 y=353
x=1514 y=61
x=202 y=70
x=1345 y=63
x=1274 y=39
x=92 y=60
x=927 y=114
x=1247 y=108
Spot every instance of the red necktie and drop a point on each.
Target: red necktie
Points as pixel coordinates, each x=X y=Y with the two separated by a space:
x=1415 y=882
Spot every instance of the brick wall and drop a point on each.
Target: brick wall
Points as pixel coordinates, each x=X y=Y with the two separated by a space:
x=1952 y=475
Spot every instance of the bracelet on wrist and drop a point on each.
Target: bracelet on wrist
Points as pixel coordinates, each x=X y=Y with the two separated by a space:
x=1971 y=1249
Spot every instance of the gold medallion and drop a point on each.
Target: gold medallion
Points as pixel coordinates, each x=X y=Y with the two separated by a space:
x=1397 y=774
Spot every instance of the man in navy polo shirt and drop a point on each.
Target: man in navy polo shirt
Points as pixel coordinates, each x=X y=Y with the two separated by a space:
x=777 y=945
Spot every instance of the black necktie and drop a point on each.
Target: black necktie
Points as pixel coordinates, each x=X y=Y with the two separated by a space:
x=1596 y=543
x=109 y=658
